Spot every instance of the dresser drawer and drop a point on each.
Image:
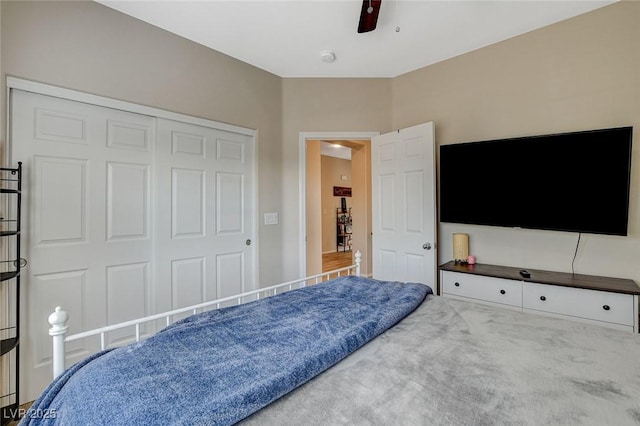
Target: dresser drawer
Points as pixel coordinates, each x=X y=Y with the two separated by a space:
x=489 y=289
x=616 y=308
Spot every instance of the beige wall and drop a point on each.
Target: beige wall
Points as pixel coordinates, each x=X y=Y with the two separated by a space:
x=361 y=200
x=86 y=46
x=313 y=207
x=580 y=74
x=332 y=170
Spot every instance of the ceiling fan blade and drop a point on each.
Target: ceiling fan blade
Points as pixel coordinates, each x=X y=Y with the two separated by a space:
x=368 y=20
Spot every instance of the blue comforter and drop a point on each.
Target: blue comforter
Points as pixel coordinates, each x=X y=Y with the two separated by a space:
x=218 y=367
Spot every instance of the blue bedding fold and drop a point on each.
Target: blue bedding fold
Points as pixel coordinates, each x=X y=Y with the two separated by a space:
x=218 y=367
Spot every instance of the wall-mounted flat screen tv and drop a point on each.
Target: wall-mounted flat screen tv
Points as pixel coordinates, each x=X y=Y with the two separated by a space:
x=576 y=182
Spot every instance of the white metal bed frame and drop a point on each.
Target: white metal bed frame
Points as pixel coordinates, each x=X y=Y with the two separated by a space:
x=60 y=318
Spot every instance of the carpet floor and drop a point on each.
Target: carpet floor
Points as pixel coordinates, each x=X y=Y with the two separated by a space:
x=453 y=362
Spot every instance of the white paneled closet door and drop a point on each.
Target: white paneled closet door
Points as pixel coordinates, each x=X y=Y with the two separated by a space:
x=125 y=215
x=87 y=222
x=205 y=214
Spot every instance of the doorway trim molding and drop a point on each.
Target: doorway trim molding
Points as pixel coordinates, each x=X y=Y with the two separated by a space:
x=302 y=170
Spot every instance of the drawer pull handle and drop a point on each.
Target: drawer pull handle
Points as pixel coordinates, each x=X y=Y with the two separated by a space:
x=606 y=307
x=502 y=292
x=543 y=298
x=457 y=284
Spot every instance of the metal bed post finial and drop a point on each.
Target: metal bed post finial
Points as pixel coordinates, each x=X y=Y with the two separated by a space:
x=59 y=327
x=358 y=260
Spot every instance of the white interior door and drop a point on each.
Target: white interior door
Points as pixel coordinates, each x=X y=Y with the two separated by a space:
x=404 y=205
x=86 y=222
x=205 y=212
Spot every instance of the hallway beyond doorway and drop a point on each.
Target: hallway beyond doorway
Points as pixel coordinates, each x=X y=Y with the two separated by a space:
x=311 y=210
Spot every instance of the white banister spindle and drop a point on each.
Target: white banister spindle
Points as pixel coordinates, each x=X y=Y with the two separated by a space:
x=358 y=260
x=58 y=321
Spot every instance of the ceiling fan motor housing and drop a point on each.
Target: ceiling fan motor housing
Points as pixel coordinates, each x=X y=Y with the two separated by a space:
x=369 y=15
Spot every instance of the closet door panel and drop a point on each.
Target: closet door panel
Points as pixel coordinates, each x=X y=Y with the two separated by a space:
x=206 y=197
x=128 y=196
x=124 y=215
x=86 y=220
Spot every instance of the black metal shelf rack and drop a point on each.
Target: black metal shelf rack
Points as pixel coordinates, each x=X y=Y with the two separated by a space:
x=11 y=189
x=344 y=221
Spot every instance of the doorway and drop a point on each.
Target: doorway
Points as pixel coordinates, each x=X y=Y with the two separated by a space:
x=311 y=210
x=336 y=205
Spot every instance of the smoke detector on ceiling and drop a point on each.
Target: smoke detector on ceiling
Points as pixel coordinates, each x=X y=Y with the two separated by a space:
x=327 y=56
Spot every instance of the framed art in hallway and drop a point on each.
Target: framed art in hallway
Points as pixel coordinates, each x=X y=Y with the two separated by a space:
x=341 y=191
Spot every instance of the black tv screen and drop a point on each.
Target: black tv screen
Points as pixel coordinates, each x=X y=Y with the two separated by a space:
x=576 y=182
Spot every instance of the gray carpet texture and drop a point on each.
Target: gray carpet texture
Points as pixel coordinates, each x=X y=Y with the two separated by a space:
x=453 y=362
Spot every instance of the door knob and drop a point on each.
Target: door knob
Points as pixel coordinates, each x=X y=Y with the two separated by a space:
x=426 y=246
x=248 y=242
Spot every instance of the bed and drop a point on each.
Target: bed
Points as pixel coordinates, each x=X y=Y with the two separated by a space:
x=220 y=365
x=455 y=362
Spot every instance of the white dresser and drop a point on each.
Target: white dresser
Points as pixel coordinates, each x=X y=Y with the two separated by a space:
x=610 y=302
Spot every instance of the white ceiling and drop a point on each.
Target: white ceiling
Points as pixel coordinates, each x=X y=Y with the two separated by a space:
x=331 y=149
x=287 y=38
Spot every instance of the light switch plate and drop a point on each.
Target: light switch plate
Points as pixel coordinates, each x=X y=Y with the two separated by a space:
x=271 y=218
